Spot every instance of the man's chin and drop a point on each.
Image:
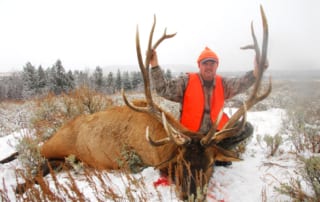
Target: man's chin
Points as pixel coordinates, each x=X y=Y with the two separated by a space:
x=209 y=78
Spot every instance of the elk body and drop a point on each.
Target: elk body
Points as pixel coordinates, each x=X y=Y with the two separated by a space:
x=186 y=157
x=100 y=139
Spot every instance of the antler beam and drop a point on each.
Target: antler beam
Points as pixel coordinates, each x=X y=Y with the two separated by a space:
x=152 y=108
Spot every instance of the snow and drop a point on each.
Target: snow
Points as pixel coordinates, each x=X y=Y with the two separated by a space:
x=245 y=180
x=242 y=181
x=7 y=144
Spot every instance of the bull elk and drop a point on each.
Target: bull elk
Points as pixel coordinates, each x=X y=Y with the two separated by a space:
x=186 y=157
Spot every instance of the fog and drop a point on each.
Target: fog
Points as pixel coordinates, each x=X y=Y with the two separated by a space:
x=84 y=34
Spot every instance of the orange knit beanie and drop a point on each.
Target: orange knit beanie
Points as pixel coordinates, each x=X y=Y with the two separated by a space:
x=207 y=54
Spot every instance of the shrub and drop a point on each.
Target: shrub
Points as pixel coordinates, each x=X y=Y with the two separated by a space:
x=303 y=128
x=130 y=159
x=50 y=114
x=304 y=116
x=53 y=111
x=273 y=143
x=310 y=174
x=29 y=153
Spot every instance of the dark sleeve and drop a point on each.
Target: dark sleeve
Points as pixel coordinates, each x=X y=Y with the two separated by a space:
x=234 y=86
x=170 y=89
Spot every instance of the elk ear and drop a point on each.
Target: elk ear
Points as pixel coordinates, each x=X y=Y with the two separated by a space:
x=225 y=155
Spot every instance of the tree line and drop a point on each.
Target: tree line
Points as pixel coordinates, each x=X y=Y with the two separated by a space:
x=36 y=81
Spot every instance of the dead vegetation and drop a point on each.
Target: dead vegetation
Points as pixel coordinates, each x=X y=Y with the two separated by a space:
x=301 y=128
x=66 y=188
x=52 y=111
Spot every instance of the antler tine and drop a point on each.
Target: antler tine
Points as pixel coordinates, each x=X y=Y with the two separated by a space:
x=255 y=47
x=158 y=142
x=263 y=58
x=178 y=138
x=126 y=101
x=144 y=68
x=173 y=135
x=149 y=49
x=164 y=36
x=225 y=133
x=206 y=139
x=144 y=76
x=220 y=135
x=255 y=44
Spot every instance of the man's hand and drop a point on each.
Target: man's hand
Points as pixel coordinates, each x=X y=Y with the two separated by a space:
x=154 y=59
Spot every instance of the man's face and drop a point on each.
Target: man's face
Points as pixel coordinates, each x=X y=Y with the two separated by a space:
x=208 y=70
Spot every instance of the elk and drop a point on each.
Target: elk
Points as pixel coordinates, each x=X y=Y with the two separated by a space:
x=186 y=157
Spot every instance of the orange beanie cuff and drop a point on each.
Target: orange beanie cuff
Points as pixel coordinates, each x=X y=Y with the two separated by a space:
x=207 y=53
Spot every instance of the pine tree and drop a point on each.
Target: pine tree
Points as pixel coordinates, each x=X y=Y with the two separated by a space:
x=15 y=86
x=110 y=83
x=42 y=81
x=30 y=79
x=136 y=79
x=98 y=79
x=81 y=78
x=118 y=83
x=126 y=81
x=11 y=87
x=71 y=81
x=60 y=81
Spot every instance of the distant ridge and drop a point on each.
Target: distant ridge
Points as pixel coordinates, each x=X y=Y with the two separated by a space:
x=176 y=70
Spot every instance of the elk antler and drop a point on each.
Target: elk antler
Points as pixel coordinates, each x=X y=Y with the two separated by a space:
x=152 y=108
x=173 y=135
x=229 y=129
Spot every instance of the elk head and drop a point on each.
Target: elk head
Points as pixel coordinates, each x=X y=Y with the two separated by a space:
x=192 y=165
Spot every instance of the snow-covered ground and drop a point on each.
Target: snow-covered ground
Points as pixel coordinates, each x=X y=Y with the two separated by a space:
x=245 y=180
x=242 y=181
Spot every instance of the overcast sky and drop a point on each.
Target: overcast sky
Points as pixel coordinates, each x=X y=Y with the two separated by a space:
x=84 y=34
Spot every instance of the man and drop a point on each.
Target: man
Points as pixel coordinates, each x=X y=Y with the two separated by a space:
x=202 y=95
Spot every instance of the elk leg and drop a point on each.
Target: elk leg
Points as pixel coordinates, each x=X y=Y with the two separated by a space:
x=43 y=171
x=9 y=158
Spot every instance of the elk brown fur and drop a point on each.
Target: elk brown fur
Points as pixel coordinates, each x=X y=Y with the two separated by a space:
x=98 y=139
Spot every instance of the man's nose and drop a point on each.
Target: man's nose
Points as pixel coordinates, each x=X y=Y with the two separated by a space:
x=209 y=66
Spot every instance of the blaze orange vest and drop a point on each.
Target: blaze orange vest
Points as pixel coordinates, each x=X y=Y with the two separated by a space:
x=193 y=103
